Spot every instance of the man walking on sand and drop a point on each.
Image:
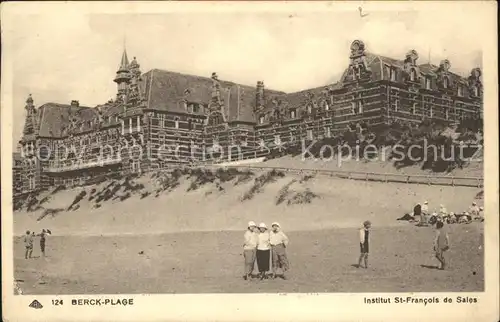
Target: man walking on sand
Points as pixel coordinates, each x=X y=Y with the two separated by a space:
x=441 y=244
x=364 y=242
x=279 y=242
x=250 y=248
x=28 y=244
x=43 y=236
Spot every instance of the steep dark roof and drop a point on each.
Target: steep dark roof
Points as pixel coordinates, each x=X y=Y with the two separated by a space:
x=165 y=90
x=55 y=117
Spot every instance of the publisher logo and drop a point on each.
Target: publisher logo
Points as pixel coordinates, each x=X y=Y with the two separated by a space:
x=35 y=305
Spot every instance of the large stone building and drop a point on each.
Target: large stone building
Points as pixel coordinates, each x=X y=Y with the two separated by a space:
x=161 y=118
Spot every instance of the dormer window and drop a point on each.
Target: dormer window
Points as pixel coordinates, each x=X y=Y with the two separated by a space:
x=445 y=82
x=428 y=83
x=261 y=119
x=196 y=108
x=387 y=71
x=413 y=75
x=293 y=114
x=460 y=90
x=475 y=90
x=309 y=109
x=393 y=74
x=327 y=107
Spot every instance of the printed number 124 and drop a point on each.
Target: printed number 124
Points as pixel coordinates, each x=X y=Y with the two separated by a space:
x=57 y=302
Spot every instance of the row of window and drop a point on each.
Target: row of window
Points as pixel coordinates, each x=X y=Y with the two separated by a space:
x=391 y=73
x=292 y=113
x=327 y=132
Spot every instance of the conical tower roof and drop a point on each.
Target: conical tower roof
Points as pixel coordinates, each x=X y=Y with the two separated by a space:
x=123 y=72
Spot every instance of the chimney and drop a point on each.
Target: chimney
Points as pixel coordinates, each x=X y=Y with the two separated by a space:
x=75 y=103
x=259 y=94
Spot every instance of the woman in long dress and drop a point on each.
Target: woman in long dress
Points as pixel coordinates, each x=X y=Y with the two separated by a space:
x=263 y=251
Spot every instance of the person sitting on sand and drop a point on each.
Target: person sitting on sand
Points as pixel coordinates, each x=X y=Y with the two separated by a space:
x=441 y=244
x=442 y=211
x=425 y=208
x=433 y=218
x=364 y=243
x=481 y=214
x=250 y=248
x=263 y=251
x=279 y=242
x=28 y=244
x=452 y=219
x=417 y=212
x=424 y=218
x=474 y=210
x=465 y=218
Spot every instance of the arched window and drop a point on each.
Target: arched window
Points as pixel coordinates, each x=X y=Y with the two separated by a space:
x=176 y=120
x=475 y=89
x=309 y=109
x=445 y=82
x=261 y=119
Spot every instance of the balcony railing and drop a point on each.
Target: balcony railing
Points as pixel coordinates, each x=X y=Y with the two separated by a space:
x=54 y=167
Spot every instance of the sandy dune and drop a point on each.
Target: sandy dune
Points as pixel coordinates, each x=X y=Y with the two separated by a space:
x=340 y=203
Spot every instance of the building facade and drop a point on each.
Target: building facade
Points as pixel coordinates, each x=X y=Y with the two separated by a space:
x=161 y=118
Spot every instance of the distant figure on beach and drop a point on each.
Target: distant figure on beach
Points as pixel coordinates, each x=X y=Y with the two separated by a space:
x=263 y=250
x=28 y=244
x=441 y=244
x=250 y=248
x=279 y=242
x=43 y=236
x=364 y=242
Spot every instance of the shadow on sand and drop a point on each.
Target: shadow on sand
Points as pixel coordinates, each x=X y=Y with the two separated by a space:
x=430 y=266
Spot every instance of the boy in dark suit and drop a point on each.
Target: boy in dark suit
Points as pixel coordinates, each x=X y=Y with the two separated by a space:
x=364 y=243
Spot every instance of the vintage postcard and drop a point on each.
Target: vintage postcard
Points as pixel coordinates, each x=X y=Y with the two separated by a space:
x=254 y=161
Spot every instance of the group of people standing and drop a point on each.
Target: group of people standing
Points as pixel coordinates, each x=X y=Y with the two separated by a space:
x=29 y=240
x=265 y=246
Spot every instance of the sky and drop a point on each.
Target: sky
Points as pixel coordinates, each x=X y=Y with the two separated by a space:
x=63 y=55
